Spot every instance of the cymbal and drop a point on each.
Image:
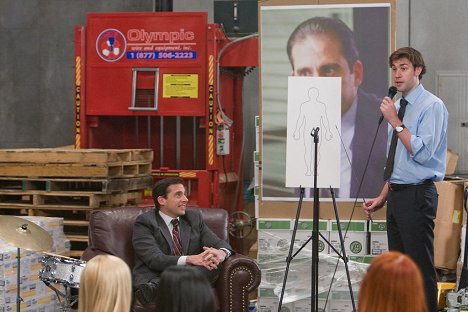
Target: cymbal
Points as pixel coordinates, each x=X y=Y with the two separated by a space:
x=22 y=233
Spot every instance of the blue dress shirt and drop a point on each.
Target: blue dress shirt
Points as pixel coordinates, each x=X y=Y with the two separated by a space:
x=426 y=118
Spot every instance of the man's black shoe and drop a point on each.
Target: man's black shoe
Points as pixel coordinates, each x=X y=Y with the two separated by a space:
x=146 y=293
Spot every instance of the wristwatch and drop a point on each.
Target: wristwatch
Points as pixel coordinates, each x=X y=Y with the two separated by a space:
x=400 y=128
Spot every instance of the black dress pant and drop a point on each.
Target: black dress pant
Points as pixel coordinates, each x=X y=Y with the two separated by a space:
x=410 y=228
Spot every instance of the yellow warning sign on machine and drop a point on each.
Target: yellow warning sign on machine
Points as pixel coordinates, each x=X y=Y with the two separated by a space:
x=180 y=86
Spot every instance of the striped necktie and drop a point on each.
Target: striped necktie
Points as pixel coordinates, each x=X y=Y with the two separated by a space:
x=176 y=242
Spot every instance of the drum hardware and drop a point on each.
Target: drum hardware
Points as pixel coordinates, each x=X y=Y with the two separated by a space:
x=64 y=271
x=66 y=299
x=22 y=233
x=59 y=256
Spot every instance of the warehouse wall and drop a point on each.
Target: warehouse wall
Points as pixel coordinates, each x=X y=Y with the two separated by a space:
x=37 y=67
x=36 y=59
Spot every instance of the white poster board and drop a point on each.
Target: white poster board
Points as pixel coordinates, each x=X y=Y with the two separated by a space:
x=314 y=109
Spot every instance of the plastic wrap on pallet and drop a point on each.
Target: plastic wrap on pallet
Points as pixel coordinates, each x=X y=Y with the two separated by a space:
x=274 y=238
x=331 y=273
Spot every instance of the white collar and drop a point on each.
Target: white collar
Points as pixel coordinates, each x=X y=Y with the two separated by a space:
x=167 y=219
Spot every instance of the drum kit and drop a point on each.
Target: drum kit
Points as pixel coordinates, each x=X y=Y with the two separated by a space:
x=56 y=269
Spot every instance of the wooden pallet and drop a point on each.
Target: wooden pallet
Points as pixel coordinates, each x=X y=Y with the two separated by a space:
x=81 y=156
x=81 y=223
x=130 y=169
x=101 y=186
x=75 y=254
x=71 y=183
x=77 y=238
x=66 y=200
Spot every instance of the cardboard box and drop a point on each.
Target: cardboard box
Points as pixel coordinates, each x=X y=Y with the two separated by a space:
x=304 y=305
x=448 y=224
x=253 y=251
x=355 y=239
x=341 y=300
x=363 y=259
x=283 y=209
x=442 y=289
x=451 y=162
x=304 y=232
x=378 y=237
x=274 y=236
x=268 y=302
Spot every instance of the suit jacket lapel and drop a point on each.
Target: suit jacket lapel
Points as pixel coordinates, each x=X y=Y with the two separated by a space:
x=164 y=229
x=185 y=230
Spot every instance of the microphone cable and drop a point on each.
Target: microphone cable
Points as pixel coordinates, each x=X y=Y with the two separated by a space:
x=356 y=198
x=392 y=91
x=363 y=173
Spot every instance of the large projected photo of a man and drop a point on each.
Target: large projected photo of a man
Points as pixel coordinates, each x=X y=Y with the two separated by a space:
x=323 y=44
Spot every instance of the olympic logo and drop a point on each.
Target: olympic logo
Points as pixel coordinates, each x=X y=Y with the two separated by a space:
x=111 y=45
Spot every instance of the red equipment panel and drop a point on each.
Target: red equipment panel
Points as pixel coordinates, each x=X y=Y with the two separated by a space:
x=153 y=80
x=136 y=60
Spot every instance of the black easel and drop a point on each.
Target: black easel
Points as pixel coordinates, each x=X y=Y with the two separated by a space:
x=314 y=238
x=315 y=229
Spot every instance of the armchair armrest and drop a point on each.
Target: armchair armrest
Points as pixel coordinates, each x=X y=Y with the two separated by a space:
x=239 y=276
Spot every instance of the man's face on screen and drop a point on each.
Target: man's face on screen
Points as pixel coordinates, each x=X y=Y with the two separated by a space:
x=320 y=55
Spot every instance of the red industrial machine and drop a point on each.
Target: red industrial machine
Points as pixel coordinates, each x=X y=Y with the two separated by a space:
x=171 y=82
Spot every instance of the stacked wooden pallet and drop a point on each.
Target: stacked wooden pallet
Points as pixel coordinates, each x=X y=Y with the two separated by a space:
x=70 y=183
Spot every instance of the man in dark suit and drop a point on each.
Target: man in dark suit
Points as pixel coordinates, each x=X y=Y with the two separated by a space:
x=325 y=47
x=366 y=124
x=156 y=244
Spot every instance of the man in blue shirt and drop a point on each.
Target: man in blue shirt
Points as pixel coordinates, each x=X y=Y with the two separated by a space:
x=419 y=160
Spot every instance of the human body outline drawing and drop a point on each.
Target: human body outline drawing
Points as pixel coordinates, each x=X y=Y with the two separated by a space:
x=312 y=113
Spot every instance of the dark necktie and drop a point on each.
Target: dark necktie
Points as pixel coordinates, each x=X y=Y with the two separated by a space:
x=176 y=242
x=391 y=153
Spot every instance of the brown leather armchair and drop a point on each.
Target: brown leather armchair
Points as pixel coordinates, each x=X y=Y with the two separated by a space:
x=110 y=232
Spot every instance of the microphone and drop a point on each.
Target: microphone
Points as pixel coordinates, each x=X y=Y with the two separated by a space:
x=391 y=94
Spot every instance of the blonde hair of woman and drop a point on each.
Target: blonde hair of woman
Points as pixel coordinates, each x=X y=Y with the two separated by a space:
x=105 y=285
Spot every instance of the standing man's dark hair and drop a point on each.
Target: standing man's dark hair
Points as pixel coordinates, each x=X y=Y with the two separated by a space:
x=326 y=25
x=414 y=56
x=161 y=188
